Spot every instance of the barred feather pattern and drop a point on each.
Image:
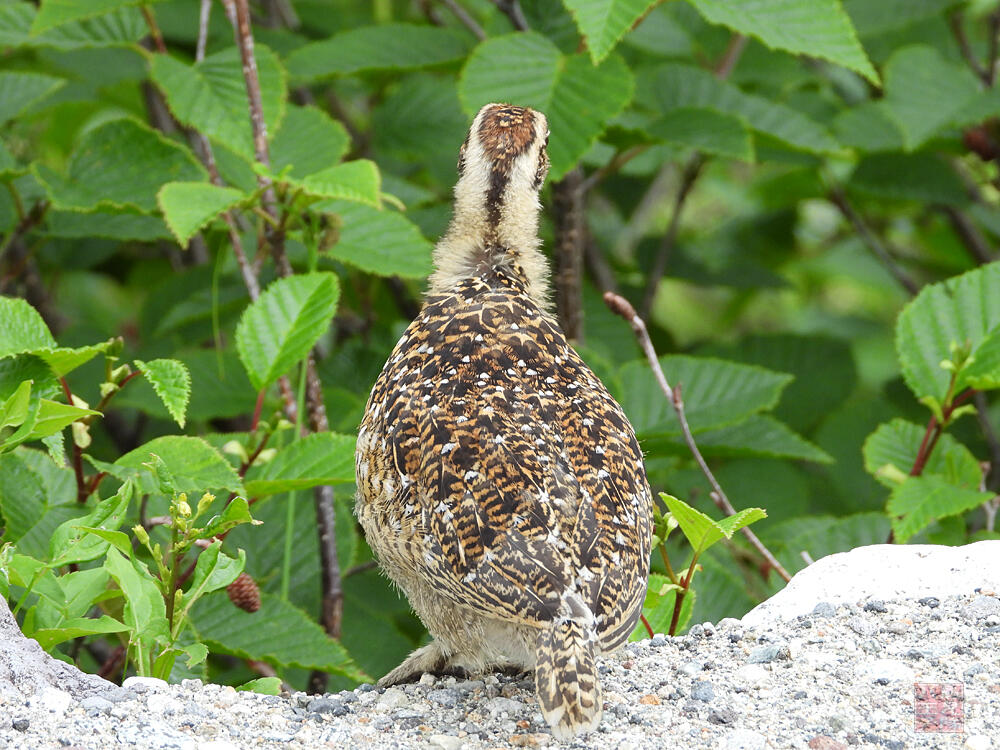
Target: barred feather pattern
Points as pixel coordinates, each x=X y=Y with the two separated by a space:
x=500 y=485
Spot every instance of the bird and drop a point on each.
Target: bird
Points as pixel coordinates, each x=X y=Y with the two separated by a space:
x=499 y=483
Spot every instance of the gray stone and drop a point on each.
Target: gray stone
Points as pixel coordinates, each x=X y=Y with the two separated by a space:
x=876 y=605
x=766 y=654
x=824 y=609
x=862 y=627
x=658 y=641
x=330 y=706
x=702 y=691
x=744 y=739
x=21 y=725
x=25 y=669
x=982 y=607
x=95 y=705
x=448 y=697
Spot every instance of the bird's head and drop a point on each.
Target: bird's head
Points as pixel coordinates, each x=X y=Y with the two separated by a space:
x=501 y=167
x=503 y=162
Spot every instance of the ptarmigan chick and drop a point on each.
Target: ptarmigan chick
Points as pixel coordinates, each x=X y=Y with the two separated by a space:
x=499 y=483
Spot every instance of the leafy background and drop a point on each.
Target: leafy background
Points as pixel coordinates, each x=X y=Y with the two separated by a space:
x=770 y=182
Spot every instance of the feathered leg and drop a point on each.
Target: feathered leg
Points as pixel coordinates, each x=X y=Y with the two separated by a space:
x=569 y=693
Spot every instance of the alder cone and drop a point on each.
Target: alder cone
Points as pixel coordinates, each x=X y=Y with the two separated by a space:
x=243 y=592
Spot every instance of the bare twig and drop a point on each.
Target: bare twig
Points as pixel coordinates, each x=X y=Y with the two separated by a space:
x=465 y=19
x=571 y=237
x=991 y=65
x=204 y=16
x=969 y=234
x=598 y=266
x=512 y=9
x=839 y=199
x=687 y=182
x=623 y=308
x=737 y=43
x=332 y=603
x=154 y=30
x=618 y=161
x=957 y=22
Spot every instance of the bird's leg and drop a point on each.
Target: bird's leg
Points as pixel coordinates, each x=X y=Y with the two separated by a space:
x=432 y=659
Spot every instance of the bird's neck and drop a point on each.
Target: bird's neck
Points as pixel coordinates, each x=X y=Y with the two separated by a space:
x=479 y=240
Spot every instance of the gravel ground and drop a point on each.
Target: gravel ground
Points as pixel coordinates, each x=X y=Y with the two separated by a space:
x=840 y=677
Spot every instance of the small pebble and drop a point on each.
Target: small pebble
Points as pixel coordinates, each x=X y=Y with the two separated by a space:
x=702 y=691
x=448 y=698
x=930 y=601
x=766 y=654
x=824 y=609
x=21 y=725
x=875 y=605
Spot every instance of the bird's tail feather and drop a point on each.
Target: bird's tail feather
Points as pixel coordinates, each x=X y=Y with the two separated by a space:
x=569 y=693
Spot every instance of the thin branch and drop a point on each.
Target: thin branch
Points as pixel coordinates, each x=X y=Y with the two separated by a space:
x=621 y=307
x=465 y=19
x=204 y=16
x=154 y=30
x=969 y=234
x=360 y=568
x=957 y=22
x=81 y=484
x=839 y=199
x=688 y=179
x=619 y=160
x=571 y=237
x=26 y=224
x=512 y=9
x=737 y=43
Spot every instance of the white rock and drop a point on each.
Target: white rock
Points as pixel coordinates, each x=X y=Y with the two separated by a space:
x=977 y=742
x=52 y=699
x=888 y=669
x=217 y=745
x=161 y=703
x=392 y=698
x=884 y=571
x=446 y=742
x=427 y=679
x=744 y=739
x=753 y=674
x=141 y=684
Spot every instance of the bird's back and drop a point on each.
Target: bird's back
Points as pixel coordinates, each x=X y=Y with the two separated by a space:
x=495 y=467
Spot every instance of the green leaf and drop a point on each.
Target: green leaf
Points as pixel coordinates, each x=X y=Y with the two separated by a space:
x=195 y=465
x=982 y=372
x=962 y=310
x=700 y=530
x=317 y=459
x=886 y=15
x=48 y=418
x=378 y=48
x=869 y=127
x=235 y=514
x=23 y=329
x=188 y=206
x=120 y=541
x=171 y=381
x=823 y=367
x=308 y=141
x=54 y=13
x=918 y=501
x=213 y=571
x=119 y=28
x=658 y=607
x=145 y=613
x=757 y=435
x=923 y=177
x=14 y=410
x=706 y=130
x=895 y=444
x=20 y=91
x=672 y=85
x=924 y=92
x=262 y=685
x=76 y=628
x=817 y=28
x=36 y=495
x=210 y=96
x=113 y=226
x=117 y=164
x=284 y=324
x=528 y=69
x=278 y=634
x=715 y=392
x=604 y=22
x=380 y=242
x=353 y=180
x=70 y=543
x=819 y=536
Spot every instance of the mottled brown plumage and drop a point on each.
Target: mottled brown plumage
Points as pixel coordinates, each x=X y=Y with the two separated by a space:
x=499 y=483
